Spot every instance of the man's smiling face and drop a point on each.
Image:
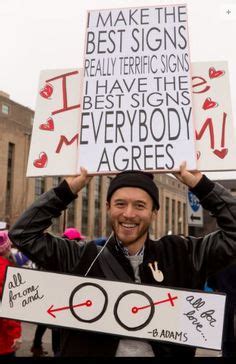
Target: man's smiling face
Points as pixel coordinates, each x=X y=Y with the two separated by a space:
x=130 y=212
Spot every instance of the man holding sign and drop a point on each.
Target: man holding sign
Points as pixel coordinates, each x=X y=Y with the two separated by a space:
x=171 y=261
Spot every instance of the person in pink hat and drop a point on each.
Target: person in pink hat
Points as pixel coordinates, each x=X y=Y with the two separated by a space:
x=73 y=234
x=10 y=330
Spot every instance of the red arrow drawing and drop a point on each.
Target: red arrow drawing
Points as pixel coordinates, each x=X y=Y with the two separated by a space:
x=169 y=299
x=51 y=309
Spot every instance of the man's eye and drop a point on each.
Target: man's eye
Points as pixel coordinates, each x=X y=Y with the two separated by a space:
x=119 y=204
x=140 y=206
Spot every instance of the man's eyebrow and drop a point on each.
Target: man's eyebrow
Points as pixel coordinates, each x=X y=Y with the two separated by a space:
x=125 y=199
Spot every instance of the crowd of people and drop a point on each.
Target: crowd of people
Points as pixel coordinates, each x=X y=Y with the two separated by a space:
x=132 y=204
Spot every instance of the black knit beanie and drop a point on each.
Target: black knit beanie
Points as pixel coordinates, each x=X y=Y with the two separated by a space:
x=143 y=180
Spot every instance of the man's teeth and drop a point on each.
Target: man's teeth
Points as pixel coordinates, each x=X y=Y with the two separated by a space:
x=128 y=225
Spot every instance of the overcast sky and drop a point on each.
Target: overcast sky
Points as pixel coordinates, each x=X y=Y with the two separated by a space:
x=50 y=34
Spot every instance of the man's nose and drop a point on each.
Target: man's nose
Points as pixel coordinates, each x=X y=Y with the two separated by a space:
x=129 y=211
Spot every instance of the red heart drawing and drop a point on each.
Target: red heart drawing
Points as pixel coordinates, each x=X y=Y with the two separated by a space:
x=209 y=104
x=46 y=91
x=214 y=74
x=49 y=125
x=41 y=162
x=198 y=154
x=221 y=153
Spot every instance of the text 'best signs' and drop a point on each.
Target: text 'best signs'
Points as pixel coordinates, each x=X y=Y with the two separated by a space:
x=137 y=109
x=191 y=318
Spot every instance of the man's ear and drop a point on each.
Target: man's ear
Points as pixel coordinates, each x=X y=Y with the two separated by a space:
x=154 y=213
x=108 y=205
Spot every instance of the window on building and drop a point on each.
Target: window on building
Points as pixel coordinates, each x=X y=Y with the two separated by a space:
x=39 y=186
x=85 y=210
x=167 y=211
x=10 y=172
x=71 y=214
x=97 y=198
x=5 y=109
x=184 y=219
x=55 y=181
x=179 y=216
x=108 y=225
x=173 y=216
x=56 y=221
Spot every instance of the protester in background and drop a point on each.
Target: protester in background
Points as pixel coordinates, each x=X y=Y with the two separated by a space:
x=171 y=261
x=225 y=281
x=73 y=234
x=37 y=349
x=10 y=330
x=100 y=241
x=21 y=260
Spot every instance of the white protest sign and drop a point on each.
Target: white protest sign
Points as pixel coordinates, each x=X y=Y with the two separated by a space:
x=214 y=128
x=137 y=108
x=54 y=143
x=168 y=314
x=215 y=131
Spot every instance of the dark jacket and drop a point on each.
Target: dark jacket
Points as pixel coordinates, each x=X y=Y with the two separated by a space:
x=225 y=281
x=186 y=262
